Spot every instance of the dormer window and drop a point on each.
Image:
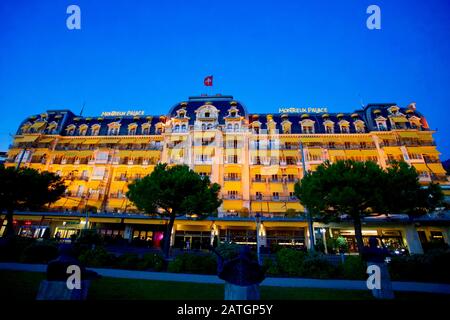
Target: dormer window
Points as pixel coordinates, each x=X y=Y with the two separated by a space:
x=233 y=114
x=159 y=128
x=132 y=131
x=83 y=130
x=113 y=131
x=95 y=130
x=381 y=123
x=329 y=126
x=71 y=130
x=307 y=126
x=359 y=126
x=415 y=123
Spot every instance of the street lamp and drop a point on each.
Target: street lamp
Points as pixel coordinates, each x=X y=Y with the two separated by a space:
x=258 y=225
x=324 y=232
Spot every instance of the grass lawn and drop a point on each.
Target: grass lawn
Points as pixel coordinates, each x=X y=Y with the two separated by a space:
x=19 y=285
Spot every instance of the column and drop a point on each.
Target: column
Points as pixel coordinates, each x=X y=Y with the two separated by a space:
x=128 y=232
x=412 y=240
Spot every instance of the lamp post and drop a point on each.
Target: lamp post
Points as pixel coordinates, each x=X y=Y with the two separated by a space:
x=324 y=232
x=308 y=214
x=258 y=224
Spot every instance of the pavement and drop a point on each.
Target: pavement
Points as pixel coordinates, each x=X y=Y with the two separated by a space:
x=271 y=281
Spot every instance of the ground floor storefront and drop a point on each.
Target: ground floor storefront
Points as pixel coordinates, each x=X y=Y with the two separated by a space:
x=187 y=234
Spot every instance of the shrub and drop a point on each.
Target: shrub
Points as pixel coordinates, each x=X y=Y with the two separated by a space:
x=341 y=244
x=289 y=261
x=228 y=250
x=353 y=268
x=192 y=263
x=97 y=257
x=88 y=239
x=430 y=267
x=127 y=261
x=12 y=249
x=316 y=266
x=271 y=267
x=40 y=252
x=152 y=261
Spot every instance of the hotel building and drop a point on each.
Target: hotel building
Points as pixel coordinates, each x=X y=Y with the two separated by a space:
x=256 y=158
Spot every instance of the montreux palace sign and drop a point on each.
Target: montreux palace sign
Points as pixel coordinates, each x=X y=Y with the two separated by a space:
x=122 y=113
x=303 y=110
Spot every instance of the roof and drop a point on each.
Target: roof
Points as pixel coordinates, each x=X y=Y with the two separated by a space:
x=223 y=103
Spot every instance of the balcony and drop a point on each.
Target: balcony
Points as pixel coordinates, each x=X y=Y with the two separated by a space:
x=121 y=178
x=117 y=196
x=232 y=197
x=227 y=178
x=274 y=198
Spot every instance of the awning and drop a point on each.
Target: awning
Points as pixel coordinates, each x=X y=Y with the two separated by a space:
x=315 y=151
x=46 y=140
x=76 y=141
x=27 y=139
x=336 y=153
x=135 y=139
x=353 y=153
x=276 y=187
x=232 y=205
x=203 y=168
x=290 y=139
x=393 y=150
x=232 y=169
x=420 y=167
x=311 y=139
x=408 y=134
x=40 y=152
x=426 y=137
x=91 y=141
x=437 y=168
x=232 y=186
x=139 y=153
x=108 y=141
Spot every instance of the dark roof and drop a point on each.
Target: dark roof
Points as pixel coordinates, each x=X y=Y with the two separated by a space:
x=223 y=103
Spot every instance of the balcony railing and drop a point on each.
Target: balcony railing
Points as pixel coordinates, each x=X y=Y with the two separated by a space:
x=232 y=197
x=226 y=178
x=275 y=198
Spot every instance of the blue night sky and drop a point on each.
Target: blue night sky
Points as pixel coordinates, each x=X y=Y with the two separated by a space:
x=148 y=55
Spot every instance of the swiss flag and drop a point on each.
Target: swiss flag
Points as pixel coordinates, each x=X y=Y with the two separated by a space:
x=208 y=81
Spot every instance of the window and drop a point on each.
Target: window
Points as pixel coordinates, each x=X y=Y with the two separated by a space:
x=146 y=131
x=114 y=131
x=132 y=131
x=207 y=114
x=276 y=196
x=233 y=159
x=258 y=177
x=258 y=196
x=95 y=130
x=233 y=194
x=307 y=129
x=98 y=173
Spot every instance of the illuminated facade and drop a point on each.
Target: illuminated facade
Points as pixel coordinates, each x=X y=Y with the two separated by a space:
x=256 y=158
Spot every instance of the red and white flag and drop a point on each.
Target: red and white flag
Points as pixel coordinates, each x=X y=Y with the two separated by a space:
x=208 y=81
